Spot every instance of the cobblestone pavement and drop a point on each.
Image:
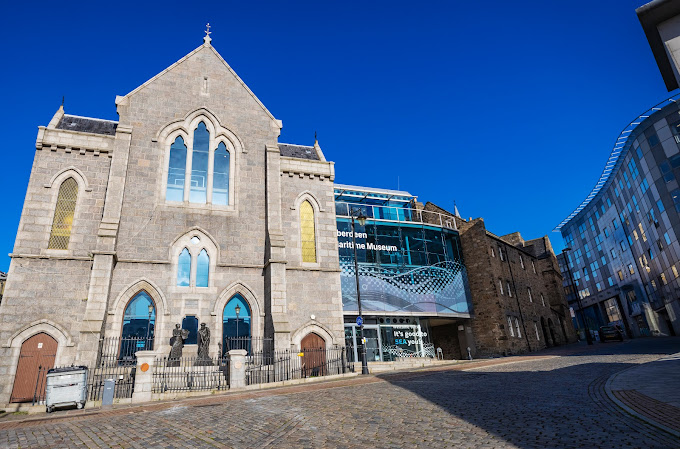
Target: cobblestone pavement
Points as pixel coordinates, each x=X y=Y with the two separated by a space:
x=540 y=402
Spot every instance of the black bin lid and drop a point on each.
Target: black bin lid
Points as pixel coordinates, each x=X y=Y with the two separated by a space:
x=67 y=369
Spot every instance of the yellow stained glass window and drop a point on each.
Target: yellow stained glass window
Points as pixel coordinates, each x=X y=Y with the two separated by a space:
x=63 y=215
x=307 y=231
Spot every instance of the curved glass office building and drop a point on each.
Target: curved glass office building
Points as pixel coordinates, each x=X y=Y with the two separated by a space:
x=411 y=271
x=624 y=262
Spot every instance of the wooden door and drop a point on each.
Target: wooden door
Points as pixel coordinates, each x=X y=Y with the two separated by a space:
x=36 y=357
x=314 y=360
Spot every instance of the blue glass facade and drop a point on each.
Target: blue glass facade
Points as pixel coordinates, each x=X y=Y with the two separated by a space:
x=406 y=266
x=624 y=261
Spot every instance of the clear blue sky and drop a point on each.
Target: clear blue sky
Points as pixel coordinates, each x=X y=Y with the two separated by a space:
x=508 y=108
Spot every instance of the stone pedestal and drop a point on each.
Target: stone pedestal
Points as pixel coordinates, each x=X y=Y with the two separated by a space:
x=237 y=368
x=144 y=376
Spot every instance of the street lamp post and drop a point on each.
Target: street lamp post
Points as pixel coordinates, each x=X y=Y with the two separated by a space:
x=361 y=218
x=148 y=326
x=237 y=310
x=589 y=338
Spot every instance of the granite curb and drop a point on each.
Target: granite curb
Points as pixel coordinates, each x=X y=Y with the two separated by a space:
x=610 y=394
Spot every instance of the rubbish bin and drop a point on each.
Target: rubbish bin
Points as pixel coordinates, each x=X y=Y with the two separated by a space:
x=66 y=386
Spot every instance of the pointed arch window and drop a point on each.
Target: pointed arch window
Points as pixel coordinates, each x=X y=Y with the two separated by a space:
x=202 y=269
x=176 y=170
x=139 y=321
x=308 y=233
x=62 y=223
x=220 y=193
x=200 y=171
x=199 y=165
x=184 y=269
x=236 y=324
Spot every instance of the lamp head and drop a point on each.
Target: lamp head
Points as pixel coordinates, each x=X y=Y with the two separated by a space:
x=237 y=310
x=150 y=309
x=566 y=250
x=361 y=218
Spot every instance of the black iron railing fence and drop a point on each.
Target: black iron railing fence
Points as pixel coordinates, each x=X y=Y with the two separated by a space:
x=190 y=374
x=115 y=351
x=277 y=366
x=253 y=345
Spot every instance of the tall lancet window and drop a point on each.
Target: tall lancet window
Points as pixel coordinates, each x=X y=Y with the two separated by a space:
x=184 y=269
x=220 y=193
x=202 y=269
x=62 y=222
x=199 y=165
x=176 y=171
x=307 y=232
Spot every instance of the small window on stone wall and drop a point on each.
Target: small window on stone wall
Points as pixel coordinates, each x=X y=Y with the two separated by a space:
x=63 y=215
x=510 y=329
x=519 y=333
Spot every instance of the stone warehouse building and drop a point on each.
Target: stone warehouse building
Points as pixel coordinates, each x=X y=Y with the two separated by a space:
x=516 y=292
x=186 y=210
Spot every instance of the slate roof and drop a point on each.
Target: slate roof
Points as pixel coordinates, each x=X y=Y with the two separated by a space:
x=87 y=125
x=298 y=151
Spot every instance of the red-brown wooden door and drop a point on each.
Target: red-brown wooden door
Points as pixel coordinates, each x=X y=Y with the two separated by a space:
x=314 y=360
x=36 y=357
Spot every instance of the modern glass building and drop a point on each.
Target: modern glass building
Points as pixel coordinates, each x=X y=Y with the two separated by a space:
x=624 y=262
x=411 y=272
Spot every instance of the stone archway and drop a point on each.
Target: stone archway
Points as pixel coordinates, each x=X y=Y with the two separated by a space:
x=546 y=335
x=551 y=329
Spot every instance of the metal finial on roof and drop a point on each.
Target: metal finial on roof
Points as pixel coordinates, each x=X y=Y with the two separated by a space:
x=315 y=139
x=207 y=39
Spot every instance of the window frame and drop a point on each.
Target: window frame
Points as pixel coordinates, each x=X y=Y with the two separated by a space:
x=218 y=134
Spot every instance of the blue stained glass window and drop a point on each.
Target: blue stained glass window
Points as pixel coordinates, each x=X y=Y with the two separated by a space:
x=199 y=165
x=202 y=269
x=176 y=171
x=136 y=316
x=138 y=327
x=236 y=326
x=220 y=193
x=184 y=268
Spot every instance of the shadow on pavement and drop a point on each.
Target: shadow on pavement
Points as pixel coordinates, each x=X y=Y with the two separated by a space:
x=555 y=402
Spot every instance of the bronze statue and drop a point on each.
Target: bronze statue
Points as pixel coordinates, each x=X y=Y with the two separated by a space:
x=177 y=343
x=203 y=346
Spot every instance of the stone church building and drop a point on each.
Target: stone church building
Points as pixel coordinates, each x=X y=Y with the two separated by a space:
x=186 y=210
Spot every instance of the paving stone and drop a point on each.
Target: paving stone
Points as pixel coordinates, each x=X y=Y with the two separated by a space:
x=554 y=399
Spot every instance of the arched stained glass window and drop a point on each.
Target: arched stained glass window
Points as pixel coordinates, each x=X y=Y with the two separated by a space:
x=139 y=320
x=220 y=194
x=236 y=326
x=199 y=165
x=307 y=232
x=202 y=269
x=63 y=215
x=184 y=268
x=176 y=171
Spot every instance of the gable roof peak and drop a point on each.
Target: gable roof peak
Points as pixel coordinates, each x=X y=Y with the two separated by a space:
x=206 y=45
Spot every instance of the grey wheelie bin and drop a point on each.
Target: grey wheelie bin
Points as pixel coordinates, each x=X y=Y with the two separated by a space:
x=66 y=386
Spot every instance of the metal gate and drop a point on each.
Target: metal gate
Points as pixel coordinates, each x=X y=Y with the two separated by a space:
x=36 y=357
